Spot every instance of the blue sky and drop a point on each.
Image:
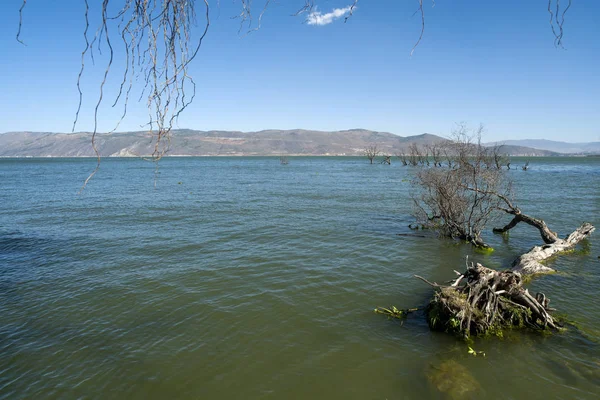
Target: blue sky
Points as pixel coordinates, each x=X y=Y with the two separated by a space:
x=479 y=61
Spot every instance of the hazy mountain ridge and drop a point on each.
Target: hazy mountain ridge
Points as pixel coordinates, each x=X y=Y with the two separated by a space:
x=555 y=146
x=186 y=142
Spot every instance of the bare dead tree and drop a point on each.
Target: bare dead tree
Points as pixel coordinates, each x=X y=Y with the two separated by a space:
x=371 y=152
x=488 y=159
x=387 y=159
x=425 y=156
x=526 y=166
x=414 y=155
x=500 y=158
x=449 y=152
x=460 y=201
x=494 y=158
x=402 y=156
x=436 y=154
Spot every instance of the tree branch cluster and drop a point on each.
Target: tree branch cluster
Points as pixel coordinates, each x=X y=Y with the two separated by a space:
x=460 y=200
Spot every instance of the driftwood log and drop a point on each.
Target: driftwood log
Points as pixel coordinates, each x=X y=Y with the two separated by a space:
x=484 y=301
x=529 y=263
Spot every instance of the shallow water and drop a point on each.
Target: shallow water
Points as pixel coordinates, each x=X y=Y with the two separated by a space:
x=243 y=278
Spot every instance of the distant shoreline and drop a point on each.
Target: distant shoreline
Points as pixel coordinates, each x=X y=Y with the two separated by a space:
x=264 y=155
x=277 y=143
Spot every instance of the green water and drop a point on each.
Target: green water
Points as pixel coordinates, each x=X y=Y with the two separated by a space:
x=240 y=278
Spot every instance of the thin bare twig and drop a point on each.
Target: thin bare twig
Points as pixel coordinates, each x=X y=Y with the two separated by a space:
x=557 y=20
x=351 y=11
x=422 y=11
x=21 y=22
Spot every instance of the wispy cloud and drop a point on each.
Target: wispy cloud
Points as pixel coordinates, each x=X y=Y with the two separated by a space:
x=318 y=18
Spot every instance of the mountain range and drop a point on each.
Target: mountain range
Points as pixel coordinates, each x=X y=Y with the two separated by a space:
x=186 y=142
x=558 y=147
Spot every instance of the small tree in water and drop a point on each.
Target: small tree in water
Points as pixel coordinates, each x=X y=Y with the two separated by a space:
x=461 y=200
x=371 y=152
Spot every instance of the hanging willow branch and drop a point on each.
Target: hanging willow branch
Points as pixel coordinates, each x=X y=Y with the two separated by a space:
x=156 y=37
x=246 y=17
x=557 y=20
x=21 y=22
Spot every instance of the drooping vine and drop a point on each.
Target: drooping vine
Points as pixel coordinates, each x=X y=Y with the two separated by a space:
x=157 y=39
x=557 y=20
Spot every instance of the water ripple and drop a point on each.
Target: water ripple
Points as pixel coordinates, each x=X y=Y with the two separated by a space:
x=256 y=281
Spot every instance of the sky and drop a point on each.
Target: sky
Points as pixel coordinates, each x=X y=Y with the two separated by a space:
x=485 y=62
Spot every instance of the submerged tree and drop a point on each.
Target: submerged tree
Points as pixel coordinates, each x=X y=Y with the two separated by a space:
x=403 y=157
x=498 y=159
x=371 y=152
x=434 y=149
x=461 y=200
x=414 y=154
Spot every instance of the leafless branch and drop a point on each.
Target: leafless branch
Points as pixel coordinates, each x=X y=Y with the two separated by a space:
x=371 y=152
x=557 y=20
x=422 y=12
x=461 y=200
x=351 y=11
x=156 y=38
x=21 y=22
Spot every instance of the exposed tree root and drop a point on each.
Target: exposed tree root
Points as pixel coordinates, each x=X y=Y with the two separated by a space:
x=484 y=301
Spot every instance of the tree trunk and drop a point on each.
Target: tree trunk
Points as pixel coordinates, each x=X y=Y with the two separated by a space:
x=547 y=235
x=529 y=263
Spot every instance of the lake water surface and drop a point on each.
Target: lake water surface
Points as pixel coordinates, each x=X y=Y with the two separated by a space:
x=240 y=278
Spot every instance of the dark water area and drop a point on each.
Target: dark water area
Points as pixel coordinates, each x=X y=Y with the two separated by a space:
x=240 y=278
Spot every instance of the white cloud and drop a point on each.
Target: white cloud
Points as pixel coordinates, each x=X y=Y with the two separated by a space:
x=318 y=18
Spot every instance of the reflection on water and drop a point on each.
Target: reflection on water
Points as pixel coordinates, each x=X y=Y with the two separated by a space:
x=251 y=279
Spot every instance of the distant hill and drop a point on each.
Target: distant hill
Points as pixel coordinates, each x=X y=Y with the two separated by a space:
x=557 y=147
x=187 y=142
x=523 y=151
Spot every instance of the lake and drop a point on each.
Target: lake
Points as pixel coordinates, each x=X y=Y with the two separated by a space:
x=240 y=278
